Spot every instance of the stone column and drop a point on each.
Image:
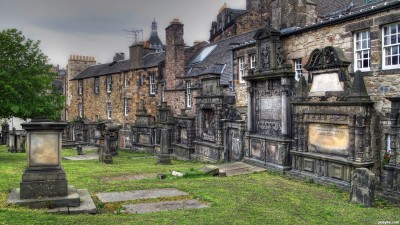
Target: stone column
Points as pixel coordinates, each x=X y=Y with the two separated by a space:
x=164 y=157
x=250 y=93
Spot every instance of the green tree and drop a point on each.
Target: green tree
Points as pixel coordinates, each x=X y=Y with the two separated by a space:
x=26 y=79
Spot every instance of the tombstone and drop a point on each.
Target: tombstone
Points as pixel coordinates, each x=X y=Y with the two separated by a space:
x=44 y=181
x=391 y=184
x=363 y=187
x=164 y=158
x=12 y=141
x=184 y=136
x=4 y=134
x=79 y=150
x=143 y=130
x=269 y=118
x=21 y=139
x=335 y=123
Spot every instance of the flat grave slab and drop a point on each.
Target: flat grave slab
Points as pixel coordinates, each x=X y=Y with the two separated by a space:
x=82 y=157
x=163 y=206
x=140 y=194
x=140 y=176
x=238 y=168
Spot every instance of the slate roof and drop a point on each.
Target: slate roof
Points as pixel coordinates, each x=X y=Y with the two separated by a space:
x=150 y=60
x=153 y=59
x=218 y=62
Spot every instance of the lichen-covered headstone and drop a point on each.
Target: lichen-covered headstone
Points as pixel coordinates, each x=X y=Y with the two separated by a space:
x=363 y=187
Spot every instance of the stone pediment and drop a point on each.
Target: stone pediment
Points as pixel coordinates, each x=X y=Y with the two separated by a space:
x=327 y=58
x=266 y=33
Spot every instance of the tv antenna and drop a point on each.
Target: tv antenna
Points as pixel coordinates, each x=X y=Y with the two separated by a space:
x=137 y=35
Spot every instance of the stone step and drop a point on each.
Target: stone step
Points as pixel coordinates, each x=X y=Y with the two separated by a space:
x=163 y=206
x=140 y=194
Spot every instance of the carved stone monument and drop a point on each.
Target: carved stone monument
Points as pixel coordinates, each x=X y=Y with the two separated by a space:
x=335 y=129
x=44 y=181
x=392 y=168
x=143 y=131
x=184 y=135
x=363 y=187
x=270 y=87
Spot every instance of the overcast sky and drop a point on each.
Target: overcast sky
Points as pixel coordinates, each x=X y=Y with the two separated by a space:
x=96 y=27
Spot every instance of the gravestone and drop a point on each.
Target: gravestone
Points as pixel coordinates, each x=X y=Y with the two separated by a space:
x=164 y=157
x=12 y=139
x=363 y=187
x=44 y=181
x=4 y=134
x=270 y=88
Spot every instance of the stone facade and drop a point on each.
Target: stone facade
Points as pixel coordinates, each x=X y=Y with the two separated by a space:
x=237 y=98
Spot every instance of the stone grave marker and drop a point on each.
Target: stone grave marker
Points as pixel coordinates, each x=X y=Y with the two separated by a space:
x=363 y=187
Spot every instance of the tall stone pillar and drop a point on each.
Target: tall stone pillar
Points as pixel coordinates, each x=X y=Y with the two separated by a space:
x=164 y=157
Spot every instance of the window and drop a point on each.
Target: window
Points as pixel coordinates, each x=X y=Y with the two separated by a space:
x=391 y=46
x=362 y=56
x=109 y=84
x=80 y=110
x=203 y=54
x=241 y=69
x=80 y=87
x=126 y=107
x=109 y=110
x=298 y=69
x=125 y=80
x=188 y=94
x=152 y=84
x=96 y=85
x=252 y=61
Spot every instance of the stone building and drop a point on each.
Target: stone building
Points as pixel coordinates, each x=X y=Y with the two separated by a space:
x=276 y=86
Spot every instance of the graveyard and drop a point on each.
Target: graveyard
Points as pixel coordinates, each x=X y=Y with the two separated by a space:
x=254 y=198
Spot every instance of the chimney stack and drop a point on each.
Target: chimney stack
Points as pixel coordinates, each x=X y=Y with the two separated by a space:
x=175 y=53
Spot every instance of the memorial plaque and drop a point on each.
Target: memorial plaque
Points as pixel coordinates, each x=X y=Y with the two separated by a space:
x=183 y=134
x=257 y=149
x=325 y=82
x=271 y=108
x=144 y=139
x=329 y=138
x=44 y=149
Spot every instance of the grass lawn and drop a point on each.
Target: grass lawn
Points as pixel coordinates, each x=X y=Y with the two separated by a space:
x=262 y=198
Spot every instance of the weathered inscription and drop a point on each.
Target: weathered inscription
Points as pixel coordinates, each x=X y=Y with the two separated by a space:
x=271 y=108
x=328 y=138
x=44 y=149
x=325 y=82
x=144 y=139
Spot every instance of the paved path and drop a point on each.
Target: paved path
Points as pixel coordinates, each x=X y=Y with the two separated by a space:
x=140 y=194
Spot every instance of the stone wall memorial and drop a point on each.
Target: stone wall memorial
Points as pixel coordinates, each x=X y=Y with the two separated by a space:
x=335 y=122
x=270 y=86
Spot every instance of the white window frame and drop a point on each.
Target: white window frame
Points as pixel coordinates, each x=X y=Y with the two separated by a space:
x=390 y=46
x=80 y=87
x=298 y=69
x=189 y=94
x=126 y=107
x=252 y=61
x=80 y=110
x=362 y=50
x=109 y=84
x=108 y=110
x=241 y=69
x=125 y=80
x=152 y=84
